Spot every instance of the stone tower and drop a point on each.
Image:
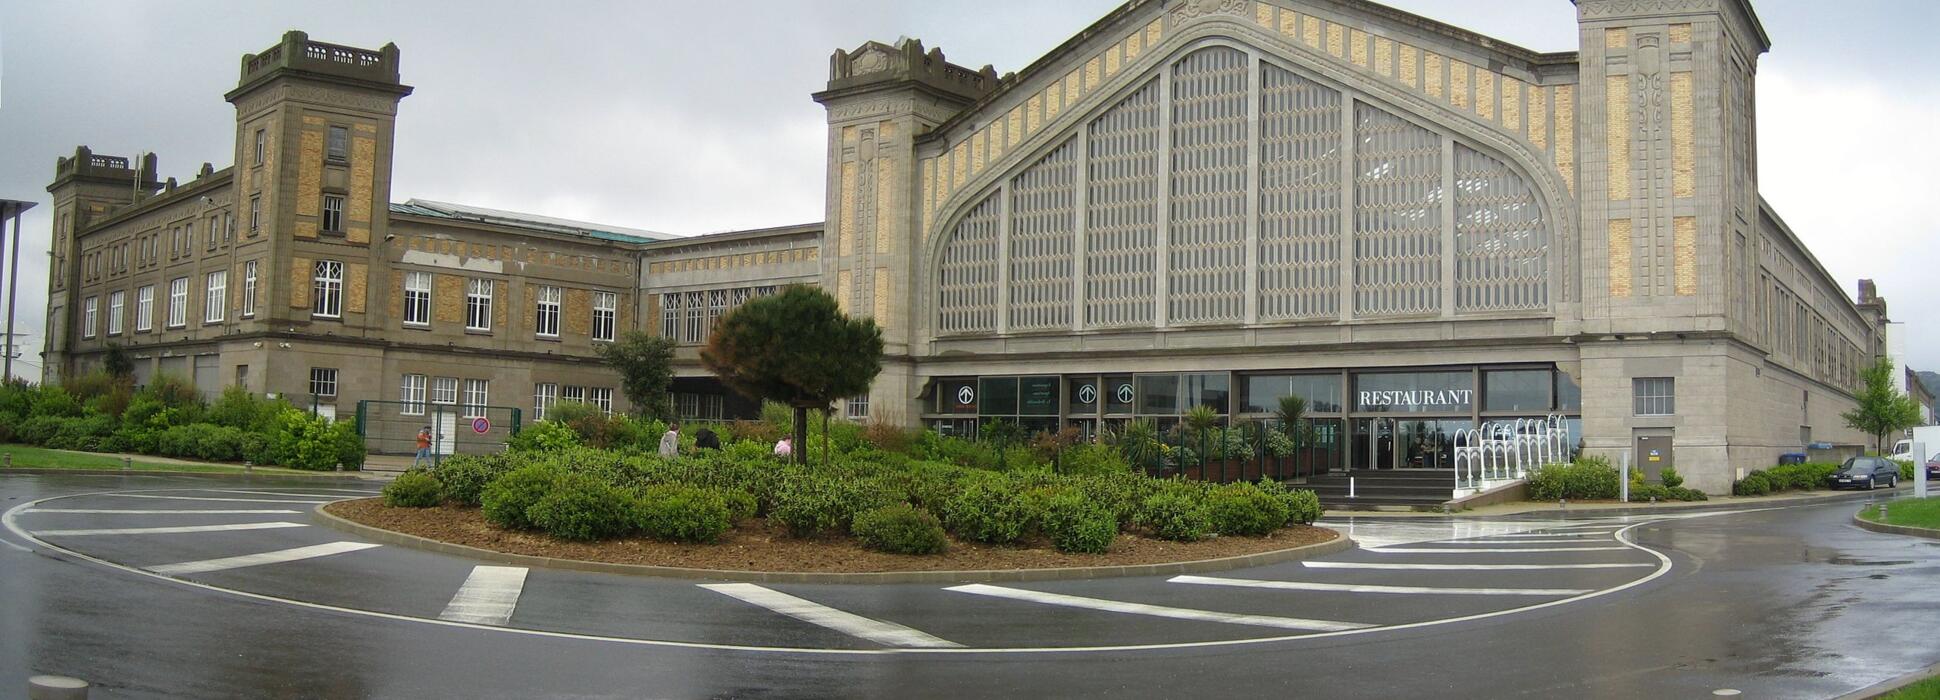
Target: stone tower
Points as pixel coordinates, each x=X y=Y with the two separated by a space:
x=87 y=188
x=880 y=100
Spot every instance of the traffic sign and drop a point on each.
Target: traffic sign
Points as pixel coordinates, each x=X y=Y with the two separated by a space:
x=481 y=425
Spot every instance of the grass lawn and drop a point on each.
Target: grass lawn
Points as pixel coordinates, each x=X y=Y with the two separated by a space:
x=1924 y=512
x=1928 y=689
x=41 y=458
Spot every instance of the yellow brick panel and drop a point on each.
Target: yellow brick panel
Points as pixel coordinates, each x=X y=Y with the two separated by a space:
x=927 y=167
x=1616 y=134
x=448 y=298
x=357 y=234
x=363 y=164
x=1566 y=134
x=996 y=131
x=1684 y=255
x=1683 y=158
x=1031 y=111
x=1384 y=56
x=299 y=283
x=1153 y=31
x=1014 y=127
x=1336 y=39
x=394 y=300
x=959 y=160
x=1073 y=88
x=1431 y=64
x=623 y=316
x=1357 y=47
x=356 y=287
x=1458 y=83
x=977 y=143
x=844 y=285
x=501 y=299
x=309 y=173
x=1263 y=15
x=1485 y=94
x=1511 y=103
x=1410 y=72
x=885 y=205
x=1680 y=34
x=1111 y=61
x=882 y=294
x=304 y=229
x=1538 y=117
x=1053 y=102
x=845 y=231
x=577 y=310
x=1134 y=45
x=1289 y=23
x=1616 y=38
x=1310 y=30
x=1093 y=75
x=1620 y=258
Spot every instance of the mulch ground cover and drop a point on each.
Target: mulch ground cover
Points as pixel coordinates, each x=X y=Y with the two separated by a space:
x=757 y=545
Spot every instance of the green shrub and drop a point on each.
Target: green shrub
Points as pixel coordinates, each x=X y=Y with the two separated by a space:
x=240 y=408
x=1174 y=514
x=1076 y=524
x=1664 y=493
x=1305 y=506
x=413 y=489
x=810 y=504
x=1679 y=493
x=681 y=513
x=1670 y=478
x=1587 y=478
x=52 y=400
x=580 y=507
x=543 y=436
x=1243 y=509
x=988 y=510
x=900 y=529
x=1087 y=459
x=506 y=498
x=39 y=429
x=1906 y=469
x=740 y=504
x=1754 y=484
x=82 y=433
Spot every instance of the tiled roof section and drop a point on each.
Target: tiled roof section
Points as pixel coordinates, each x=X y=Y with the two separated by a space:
x=465 y=212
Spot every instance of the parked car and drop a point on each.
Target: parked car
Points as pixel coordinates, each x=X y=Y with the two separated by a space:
x=1866 y=472
x=1933 y=468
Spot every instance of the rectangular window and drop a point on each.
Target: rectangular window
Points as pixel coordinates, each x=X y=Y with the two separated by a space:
x=178 y=302
x=117 y=303
x=444 y=390
x=211 y=232
x=255 y=215
x=410 y=392
x=605 y=309
x=601 y=398
x=333 y=212
x=228 y=226
x=323 y=381
x=544 y=395
x=327 y=290
x=215 y=293
x=478 y=305
x=573 y=394
x=339 y=144
x=262 y=140
x=1653 y=396
x=90 y=309
x=670 y=316
x=695 y=308
x=145 y=309
x=716 y=307
x=546 y=322
x=477 y=394
x=857 y=407
x=249 y=290
x=417 y=298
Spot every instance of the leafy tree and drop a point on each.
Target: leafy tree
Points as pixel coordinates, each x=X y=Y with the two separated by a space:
x=796 y=348
x=646 y=370
x=1882 y=409
x=117 y=362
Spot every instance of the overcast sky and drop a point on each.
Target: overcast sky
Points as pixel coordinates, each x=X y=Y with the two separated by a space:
x=691 y=117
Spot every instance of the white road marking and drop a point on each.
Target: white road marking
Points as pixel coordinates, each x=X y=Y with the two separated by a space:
x=182 y=529
x=274 y=493
x=1071 y=601
x=815 y=613
x=1463 y=567
x=111 y=511
x=15 y=546
x=1550 y=535
x=1486 y=550
x=276 y=557
x=488 y=596
x=1369 y=588
x=202 y=498
x=1545 y=540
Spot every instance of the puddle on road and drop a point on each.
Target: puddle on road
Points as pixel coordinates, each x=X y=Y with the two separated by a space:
x=1849 y=561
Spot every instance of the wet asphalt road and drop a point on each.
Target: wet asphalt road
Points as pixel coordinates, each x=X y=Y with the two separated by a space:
x=1781 y=603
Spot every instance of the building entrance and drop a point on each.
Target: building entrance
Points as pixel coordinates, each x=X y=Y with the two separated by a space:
x=1406 y=443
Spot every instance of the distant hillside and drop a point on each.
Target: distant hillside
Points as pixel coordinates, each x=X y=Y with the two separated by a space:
x=1931 y=380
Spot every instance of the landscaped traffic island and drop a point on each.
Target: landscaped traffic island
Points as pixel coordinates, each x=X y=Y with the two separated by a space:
x=869 y=511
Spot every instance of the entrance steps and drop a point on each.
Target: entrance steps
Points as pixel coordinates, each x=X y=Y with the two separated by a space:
x=1385 y=489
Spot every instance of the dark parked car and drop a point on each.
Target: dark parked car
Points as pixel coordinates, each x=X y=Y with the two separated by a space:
x=1933 y=468
x=1866 y=472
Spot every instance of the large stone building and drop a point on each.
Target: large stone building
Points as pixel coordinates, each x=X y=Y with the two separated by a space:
x=1194 y=202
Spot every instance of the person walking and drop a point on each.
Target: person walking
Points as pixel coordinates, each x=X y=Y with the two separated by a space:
x=705 y=439
x=784 y=448
x=424 y=448
x=670 y=441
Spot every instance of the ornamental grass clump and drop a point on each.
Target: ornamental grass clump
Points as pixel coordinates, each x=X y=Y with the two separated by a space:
x=900 y=529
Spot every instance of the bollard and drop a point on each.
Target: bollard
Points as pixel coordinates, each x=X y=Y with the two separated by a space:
x=340 y=466
x=6 y=459
x=56 y=688
x=1882 y=512
x=1653 y=500
x=249 y=467
x=1562 y=503
x=1350 y=487
x=127 y=463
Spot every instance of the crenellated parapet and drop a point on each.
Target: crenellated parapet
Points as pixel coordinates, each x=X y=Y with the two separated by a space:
x=875 y=62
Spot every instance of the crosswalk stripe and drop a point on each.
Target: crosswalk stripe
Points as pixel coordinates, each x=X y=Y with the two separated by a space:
x=276 y=493
x=112 y=511
x=202 y=498
x=488 y=596
x=815 y=613
x=1487 y=550
x=1462 y=567
x=276 y=557
x=1370 y=588
x=1071 y=601
x=183 y=529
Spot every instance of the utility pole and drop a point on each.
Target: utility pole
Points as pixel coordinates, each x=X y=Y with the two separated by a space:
x=11 y=209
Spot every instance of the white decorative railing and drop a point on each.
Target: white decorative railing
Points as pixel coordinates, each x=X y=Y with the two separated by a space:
x=1503 y=451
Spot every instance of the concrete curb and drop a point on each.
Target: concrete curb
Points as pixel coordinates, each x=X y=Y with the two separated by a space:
x=1886 y=688
x=1547 y=507
x=158 y=472
x=1907 y=530
x=1338 y=544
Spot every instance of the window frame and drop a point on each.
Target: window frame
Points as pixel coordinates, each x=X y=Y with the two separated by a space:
x=412 y=394
x=473 y=406
x=417 y=302
x=333 y=213
x=446 y=387
x=1646 y=400
x=145 y=308
x=327 y=289
x=90 y=314
x=117 y=306
x=337 y=144
x=545 y=304
x=600 y=397
x=478 y=304
x=255 y=214
x=249 y=289
x=262 y=145
x=545 y=395
x=606 y=315
x=323 y=381
x=178 y=303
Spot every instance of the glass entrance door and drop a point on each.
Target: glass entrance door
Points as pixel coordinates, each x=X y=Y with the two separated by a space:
x=1374 y=441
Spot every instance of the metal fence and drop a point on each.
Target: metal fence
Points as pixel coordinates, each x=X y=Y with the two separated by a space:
x=391 y=427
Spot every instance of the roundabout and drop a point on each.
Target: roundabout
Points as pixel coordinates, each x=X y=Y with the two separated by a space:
x=267 y=543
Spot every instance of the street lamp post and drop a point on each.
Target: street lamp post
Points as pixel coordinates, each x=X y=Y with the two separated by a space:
x=11 y=209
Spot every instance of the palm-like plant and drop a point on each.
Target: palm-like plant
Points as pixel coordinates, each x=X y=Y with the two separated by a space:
x=1292 y=415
